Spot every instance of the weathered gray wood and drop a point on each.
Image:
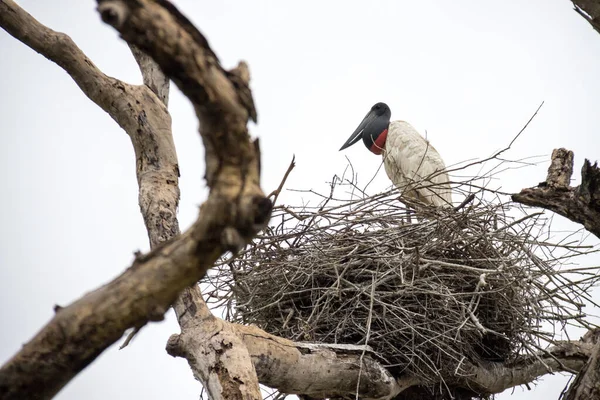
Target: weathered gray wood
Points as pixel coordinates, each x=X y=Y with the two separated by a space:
x=580 y=204
x=586 y=386
x=81 y=331
x=234 y=211
x=153 y=76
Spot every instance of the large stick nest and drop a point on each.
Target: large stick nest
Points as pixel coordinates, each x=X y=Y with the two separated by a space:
x=425 y=294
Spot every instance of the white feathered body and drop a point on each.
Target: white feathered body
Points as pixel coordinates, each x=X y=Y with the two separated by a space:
x=415 y=166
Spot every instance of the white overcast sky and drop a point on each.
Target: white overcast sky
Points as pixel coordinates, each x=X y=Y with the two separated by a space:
x=469 y=72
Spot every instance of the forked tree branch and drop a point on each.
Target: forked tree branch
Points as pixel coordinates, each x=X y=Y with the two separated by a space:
x=217 y=352
x=153 y=76
x=157 y=167
x=217 y=357
x=294 y=368
x=329 y=371
x=580 y=204
x=235 y=210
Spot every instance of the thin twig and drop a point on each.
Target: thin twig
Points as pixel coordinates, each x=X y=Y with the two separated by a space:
x=275 y=193
x=483 y=283
x=367 y=337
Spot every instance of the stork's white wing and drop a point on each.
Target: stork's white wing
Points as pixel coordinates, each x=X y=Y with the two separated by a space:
x=414 y=165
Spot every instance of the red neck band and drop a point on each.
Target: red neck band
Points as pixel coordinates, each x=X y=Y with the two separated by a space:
x=379 y=144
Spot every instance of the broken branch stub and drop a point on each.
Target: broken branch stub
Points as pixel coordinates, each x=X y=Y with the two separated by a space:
x=580 y=204
x=560 y=169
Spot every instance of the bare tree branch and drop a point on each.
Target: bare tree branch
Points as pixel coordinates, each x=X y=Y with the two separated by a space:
x=590 y=10
x=298 y=368
x=580 y=204
x=226 y=357
x=225 y=371
x=217 y=355
x=158 y=187
x=275 y=193
x=153 y=76
x=143 y=23
x=60 y=49
x=228 y=372
x=495 y=378
x=235 y=210
x=587 y=383
x=325 y=371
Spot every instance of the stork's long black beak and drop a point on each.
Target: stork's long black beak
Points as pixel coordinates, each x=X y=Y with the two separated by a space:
x=357 y=134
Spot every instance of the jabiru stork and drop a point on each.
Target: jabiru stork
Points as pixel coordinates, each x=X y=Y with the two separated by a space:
x=411 y=162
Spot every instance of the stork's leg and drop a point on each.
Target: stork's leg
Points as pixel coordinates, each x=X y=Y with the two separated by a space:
x=408 y=210
x=407 y=218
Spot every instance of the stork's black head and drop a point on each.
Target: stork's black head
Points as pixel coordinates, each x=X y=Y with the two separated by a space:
x=372 y=129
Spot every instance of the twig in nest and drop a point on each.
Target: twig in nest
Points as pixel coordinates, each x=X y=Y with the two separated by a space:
x=498 y=153
x=466 y=201
x=476 y=285
x=369 y=319
x=276 y=192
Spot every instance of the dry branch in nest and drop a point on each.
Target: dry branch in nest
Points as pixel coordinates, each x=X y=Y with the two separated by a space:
x=475 y=284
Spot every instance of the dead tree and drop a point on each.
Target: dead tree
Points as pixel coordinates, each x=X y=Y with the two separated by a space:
x=229 y=359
